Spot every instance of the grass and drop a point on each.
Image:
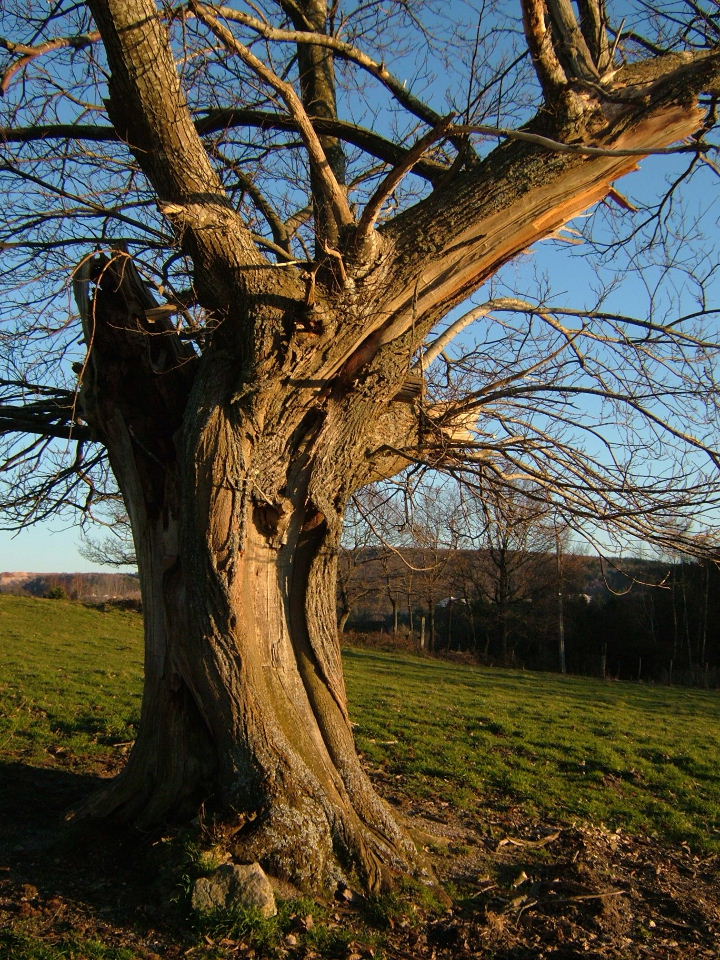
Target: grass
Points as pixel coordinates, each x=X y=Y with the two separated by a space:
x=641 y=758
x=70 y=679
x=16 y=945
x=304 y=921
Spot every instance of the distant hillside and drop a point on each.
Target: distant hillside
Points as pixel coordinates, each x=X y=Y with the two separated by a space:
x=88 y=587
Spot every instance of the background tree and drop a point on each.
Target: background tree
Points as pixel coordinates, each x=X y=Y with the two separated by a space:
x=115 y=547
x=263 y=262
x=358 y=556
x=516 y=541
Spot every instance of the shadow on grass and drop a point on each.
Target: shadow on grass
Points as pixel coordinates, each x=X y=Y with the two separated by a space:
x=101 y=871
x=34 y=798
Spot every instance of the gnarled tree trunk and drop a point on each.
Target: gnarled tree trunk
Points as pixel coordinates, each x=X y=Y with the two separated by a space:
x=244 y=707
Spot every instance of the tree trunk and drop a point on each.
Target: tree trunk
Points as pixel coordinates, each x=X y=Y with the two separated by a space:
x=394 y=605
x=244 y=708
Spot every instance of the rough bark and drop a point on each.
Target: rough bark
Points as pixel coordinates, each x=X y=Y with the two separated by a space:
x=244 y=707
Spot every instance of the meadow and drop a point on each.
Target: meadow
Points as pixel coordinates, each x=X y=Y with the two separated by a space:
x=487 y=747
x=636 y=757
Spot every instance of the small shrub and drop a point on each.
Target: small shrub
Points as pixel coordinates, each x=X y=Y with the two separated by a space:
x=56 y=593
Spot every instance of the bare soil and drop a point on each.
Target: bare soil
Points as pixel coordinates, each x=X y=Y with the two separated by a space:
x=520 y=890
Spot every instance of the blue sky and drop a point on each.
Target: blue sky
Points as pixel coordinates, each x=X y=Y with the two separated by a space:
x=43 y=548
x=53 y=546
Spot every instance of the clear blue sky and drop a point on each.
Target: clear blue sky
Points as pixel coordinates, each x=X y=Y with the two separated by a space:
x=44 y=548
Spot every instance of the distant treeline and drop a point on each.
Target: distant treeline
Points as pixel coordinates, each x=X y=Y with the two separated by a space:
x=632 y=619
x=86 y=587
x=628 y=619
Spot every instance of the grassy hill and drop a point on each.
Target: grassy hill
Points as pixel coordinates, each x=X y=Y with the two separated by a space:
x=641 y=758
x=566 y=817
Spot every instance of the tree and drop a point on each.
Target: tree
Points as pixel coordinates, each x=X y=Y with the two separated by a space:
x=262 y=280
x=516 y=543
x=357 y=557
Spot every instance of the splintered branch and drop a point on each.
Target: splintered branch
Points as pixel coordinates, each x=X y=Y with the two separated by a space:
x=334 y=192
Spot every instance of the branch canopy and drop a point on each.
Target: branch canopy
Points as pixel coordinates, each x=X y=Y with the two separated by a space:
x=295 y=203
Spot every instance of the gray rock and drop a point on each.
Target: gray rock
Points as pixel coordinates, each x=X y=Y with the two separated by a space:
x=234 y=885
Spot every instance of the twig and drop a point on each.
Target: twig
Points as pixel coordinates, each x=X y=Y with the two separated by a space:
x=588 y=896
x=579 y=148
x=542 y=842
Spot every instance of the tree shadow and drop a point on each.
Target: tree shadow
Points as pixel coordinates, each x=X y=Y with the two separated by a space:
x=103 y=871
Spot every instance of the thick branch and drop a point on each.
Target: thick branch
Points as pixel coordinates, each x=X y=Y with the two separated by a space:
x=217 y=121
x=317 y=84
x=571 y=44
x=395 y=177
x=551 y=75
x=593 y=23
x=149 y=110
x=42 y=420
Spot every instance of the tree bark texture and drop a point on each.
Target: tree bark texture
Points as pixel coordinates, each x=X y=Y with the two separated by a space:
x=244 y=708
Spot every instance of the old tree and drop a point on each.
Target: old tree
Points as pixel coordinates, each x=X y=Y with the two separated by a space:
x=233 y=237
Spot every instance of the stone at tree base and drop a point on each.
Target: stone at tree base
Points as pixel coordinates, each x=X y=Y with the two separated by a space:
x=235 y=885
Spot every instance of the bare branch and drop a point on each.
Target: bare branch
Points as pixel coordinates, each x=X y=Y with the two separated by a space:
x=221 y=120
x=318 y=159
x=581 y=149
x=571 y=42
x=344 y=50
x=395 y=177
x=28 y=53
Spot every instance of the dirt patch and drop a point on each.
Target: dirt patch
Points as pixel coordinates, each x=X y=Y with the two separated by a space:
x=521 y=890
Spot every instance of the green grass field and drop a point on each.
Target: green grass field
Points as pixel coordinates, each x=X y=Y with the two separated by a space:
x=644 y=759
